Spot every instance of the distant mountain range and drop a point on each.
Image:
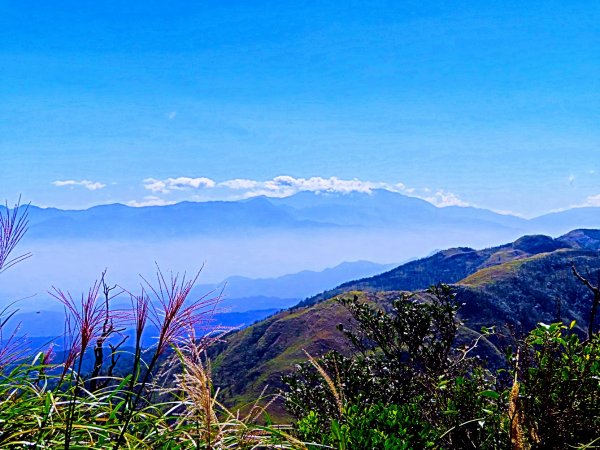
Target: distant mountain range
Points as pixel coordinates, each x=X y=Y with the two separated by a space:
x=243 y=294
x=304 y=211
x=455 y=264
x=259 y=238
x=43 y=326
x=244 y=300
x=512 y=286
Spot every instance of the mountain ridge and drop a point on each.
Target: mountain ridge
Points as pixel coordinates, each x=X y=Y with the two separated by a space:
x=304 y=210
x=519 y=287
x=462 y=262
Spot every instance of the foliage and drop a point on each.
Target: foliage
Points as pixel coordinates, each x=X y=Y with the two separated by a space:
x=405 y=360
x=406 y=367
x=397 y=353
x=37 y=410
x=559 y=391
x=165 y=399
x=379 y=426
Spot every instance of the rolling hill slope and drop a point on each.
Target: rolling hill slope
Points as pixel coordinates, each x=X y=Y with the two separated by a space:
x=517 y=284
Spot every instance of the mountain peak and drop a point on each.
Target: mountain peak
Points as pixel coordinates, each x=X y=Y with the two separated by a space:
x=538 y=243
x=587 y=239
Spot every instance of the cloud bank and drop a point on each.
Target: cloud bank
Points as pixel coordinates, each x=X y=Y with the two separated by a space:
x=592 y=200
x=177 y=184
x=284 y=186
x=443 y=198
x=280 y=186
x=89 y=185
x=150 y=200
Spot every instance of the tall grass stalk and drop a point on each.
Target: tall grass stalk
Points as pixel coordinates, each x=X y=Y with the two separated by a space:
x=163 y=398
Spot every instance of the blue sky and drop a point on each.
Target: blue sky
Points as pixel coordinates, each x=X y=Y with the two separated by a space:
x=487 y=103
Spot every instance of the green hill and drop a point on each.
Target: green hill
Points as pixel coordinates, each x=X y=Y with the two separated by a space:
x=513 y=286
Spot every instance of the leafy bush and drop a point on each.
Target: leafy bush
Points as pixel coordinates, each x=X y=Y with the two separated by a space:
x=379 y=426
x=405 y=361
x=407 y=386
x=558 y=401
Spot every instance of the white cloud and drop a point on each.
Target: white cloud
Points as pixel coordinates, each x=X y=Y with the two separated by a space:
x=150 y=200
x=280 y=186
x=90 y=185
x=177 y=184
x=443 y=198
x=401 y=187
x=284 y=186
x=172 y=115
x=592 y=200
x=572 y=180
x=240 y=183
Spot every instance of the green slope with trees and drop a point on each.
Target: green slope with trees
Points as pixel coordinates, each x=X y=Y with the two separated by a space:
x=510 y=287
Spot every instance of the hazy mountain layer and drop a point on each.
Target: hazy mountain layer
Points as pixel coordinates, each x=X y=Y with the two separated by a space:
x=255 y=238
x=242 y=293
x=306 y=210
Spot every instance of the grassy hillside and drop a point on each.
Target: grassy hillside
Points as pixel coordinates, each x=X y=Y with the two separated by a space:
x=518 y=284
x=449 y=266
x=254 y=358
x=522 y=293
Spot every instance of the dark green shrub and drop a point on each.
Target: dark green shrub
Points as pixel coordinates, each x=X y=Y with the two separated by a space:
x=378 y=426
x=559 y=392
x=404 y=361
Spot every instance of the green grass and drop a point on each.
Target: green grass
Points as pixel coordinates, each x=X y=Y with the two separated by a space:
x=498 y=272
x=41 y=409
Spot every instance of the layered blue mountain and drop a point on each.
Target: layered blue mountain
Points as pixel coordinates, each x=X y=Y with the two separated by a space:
x=303 y=211
x=383 y=209
x=182 y=219
x=245 y=294
x=257 y=238
x=558 y=222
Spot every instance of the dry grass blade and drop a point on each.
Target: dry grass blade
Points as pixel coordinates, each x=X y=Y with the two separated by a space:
x=196 y=384
x=83 y=321
x=173 y=313
x=516 y=418
x=13 y=226
x=336 y=394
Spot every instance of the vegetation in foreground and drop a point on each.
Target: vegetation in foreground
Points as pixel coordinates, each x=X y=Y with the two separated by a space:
x=407 y=385
x=164 y=400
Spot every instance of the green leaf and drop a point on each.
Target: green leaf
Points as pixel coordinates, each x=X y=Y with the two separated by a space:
x=490 y=394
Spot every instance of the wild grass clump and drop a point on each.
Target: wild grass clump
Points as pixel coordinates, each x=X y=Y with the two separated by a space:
x=85 y=396
x=39 y=408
